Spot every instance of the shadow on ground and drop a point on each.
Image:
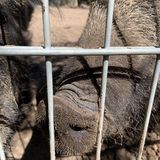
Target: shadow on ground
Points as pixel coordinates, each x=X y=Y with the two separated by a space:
x=38 y=147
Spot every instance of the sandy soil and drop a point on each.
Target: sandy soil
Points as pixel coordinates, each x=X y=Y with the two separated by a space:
x=66 y=25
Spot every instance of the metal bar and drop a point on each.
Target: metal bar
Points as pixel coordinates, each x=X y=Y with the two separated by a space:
x=2 y=154
x=46 y=24
x=47 y=42
x=104 y=77
x=50 y=108
x=59 y=51
x=150 y=106
x=102 y=107
x=109 y=23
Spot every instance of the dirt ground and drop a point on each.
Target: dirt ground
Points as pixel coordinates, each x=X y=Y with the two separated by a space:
x=66 y=25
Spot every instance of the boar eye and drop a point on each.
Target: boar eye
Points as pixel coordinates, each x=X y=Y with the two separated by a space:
x=77 y=128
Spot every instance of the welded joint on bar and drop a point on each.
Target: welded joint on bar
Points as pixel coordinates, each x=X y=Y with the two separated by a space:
x=150 y=106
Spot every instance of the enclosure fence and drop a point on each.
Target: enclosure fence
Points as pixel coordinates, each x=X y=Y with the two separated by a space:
x=47 y=50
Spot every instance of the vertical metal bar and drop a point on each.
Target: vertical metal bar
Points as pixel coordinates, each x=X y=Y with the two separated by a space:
x=50 y=109
x=46 y=24
x=47 y=42
x=104 y=77
x=150 y=106
x=2 y=154
x=109 y=23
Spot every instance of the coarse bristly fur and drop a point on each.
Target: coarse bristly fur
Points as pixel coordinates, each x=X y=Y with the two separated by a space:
x=16 y=15
x=135 y=23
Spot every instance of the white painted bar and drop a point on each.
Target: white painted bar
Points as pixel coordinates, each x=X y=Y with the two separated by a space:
x=59 y=51
x=50 y=109
x=104 y=77
x=2 y=154
x=46 y=23
x=150 y=106
x=47 y=44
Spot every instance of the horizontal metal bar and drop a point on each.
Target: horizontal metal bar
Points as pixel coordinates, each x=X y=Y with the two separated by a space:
x=47 y=44
x=57 y=51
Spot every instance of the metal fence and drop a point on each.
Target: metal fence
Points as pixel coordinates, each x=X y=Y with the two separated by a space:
x=47 y=50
